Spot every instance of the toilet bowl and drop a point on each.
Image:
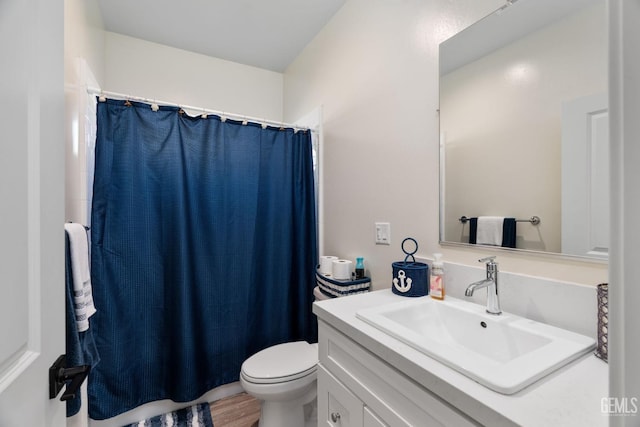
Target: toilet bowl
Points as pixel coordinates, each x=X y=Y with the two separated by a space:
x=283 y=378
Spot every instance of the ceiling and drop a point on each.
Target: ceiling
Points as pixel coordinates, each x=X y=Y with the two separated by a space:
x=267 y=34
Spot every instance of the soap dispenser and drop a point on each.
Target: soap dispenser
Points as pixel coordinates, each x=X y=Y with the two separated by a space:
x=436 y=285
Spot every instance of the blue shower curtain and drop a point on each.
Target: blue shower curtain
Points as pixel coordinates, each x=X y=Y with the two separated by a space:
x=203 y=251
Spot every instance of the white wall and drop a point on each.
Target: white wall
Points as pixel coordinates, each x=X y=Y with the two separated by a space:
x=374 y=69
x=624 y=292
x=84 y=66
x=140 y=68
x=83 y=38
x=489 y=137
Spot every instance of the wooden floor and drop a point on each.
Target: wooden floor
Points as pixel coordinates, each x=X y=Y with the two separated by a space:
x=240 y=410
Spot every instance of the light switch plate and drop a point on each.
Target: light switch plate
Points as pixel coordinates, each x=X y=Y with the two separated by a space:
x=383 y=233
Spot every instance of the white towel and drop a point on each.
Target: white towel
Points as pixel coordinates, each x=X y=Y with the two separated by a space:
x=489 y=230
x=82 y=296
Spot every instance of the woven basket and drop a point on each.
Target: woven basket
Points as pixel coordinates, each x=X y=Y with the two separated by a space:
x=602 y=350
x=339 y=288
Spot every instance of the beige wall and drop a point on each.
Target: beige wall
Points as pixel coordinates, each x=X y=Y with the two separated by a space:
x=509 y=152
x=150 y=70
x=83 y=38
x=374 y=70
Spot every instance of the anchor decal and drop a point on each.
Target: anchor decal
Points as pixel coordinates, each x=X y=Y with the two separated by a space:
x=402 y=286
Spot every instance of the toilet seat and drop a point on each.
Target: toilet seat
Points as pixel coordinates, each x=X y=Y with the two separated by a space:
x=281 y=363
x=277 y=380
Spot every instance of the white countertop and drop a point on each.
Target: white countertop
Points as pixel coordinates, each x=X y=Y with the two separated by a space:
x=571 y=396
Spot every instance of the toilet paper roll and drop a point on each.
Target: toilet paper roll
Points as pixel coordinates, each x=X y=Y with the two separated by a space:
x=341 y=269
x=326 y=264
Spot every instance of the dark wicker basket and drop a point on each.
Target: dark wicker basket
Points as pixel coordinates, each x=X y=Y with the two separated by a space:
x=602 y=350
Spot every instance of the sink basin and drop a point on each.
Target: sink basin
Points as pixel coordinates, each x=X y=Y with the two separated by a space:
x=505 y=353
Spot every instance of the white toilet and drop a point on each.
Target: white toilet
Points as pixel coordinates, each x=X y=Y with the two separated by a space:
x=283 y=377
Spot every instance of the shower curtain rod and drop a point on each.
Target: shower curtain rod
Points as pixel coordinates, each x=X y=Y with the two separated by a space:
x=200 y=110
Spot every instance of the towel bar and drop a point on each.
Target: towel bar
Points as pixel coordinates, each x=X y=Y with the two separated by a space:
x=535 y=220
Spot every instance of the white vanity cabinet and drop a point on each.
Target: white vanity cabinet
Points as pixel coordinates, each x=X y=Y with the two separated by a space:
x=357 y=388
x=371 y=420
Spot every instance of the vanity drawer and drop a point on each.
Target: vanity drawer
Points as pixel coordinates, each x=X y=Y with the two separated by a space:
x=337 y=406
x=371 y=420
x=392 y=396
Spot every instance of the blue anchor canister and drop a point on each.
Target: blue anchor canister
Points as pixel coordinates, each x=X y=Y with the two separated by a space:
x=410 y=278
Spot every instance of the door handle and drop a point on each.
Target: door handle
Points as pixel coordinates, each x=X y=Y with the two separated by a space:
x=60 y=375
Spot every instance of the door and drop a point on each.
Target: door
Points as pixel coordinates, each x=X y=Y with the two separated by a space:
x=585 y=176
x=31 y=209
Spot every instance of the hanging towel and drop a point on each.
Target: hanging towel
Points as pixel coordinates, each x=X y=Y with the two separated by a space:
x=489 y=230
x=497 y=231
x=82 y=296
x=80 y=347
x=509 y=233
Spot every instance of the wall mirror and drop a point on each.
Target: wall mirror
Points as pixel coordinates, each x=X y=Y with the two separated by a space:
x=524 y=128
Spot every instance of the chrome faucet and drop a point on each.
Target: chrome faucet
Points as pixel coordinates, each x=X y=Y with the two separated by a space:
x=491 y=283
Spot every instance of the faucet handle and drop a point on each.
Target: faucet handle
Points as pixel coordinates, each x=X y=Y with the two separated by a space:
x=492 y=267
